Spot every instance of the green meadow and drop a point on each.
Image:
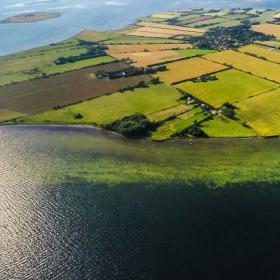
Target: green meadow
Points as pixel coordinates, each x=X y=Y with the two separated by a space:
x=222 y=126
x=231 y=86
x=109 y=108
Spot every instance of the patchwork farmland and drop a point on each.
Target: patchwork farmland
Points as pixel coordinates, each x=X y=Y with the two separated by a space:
x=230 y=86
x=188 y=69
x=247 y=63
x=192 y=73
x=144 y=59
x=42 y=94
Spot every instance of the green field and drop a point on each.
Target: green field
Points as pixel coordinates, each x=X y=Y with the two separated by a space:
x=232 y=85
x=247 y=63
x=262 y=113
x=55 y=69
x=230 y=23
x=183 y=121
x=18 y=67
x=125 y=40
x=222 y=126
x=169 y=112
x=262 y=52
x=193 y=52
x=109 y=108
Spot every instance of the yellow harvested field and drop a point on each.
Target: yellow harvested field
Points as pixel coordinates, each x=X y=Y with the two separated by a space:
x=167 y=15
x=143 y=59
x=116 y=49
x=247 y=63
x=268 y=28
x=262 y=113
x=160 y=33
x=270 y=54
x=187 y=69
x=171 y=27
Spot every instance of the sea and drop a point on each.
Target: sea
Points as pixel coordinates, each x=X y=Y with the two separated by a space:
x=95 y=14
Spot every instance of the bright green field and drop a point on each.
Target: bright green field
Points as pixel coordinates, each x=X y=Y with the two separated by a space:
x=262 y=113
x=193 y=52
x=222 y=126
x=169 y=112
x=183 y=121
x=231 y=86
x=230 y=23
x=109 y=108
x=17 y=67
x=208 y=22
x=55 y=69
x=126 y=39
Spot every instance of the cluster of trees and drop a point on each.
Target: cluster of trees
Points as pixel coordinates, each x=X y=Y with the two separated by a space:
x=131 y=71
x=134 y=126
x=229 y=111
x=204 y=78
x=92 y=52
x=223 y=38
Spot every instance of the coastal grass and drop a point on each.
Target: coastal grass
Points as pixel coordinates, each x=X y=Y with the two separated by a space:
x=247 y=63
x=222 y=126
x=187 y=69
x=231 y=86
x=107 y=109
x=262 y=113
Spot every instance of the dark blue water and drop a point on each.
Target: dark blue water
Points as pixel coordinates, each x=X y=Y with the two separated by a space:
x=96 y=14
x=56 y=223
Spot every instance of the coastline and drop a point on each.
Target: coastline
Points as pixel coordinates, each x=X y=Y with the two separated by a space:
x=104 y=132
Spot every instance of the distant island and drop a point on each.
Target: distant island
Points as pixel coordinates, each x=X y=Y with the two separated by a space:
x=30 y=17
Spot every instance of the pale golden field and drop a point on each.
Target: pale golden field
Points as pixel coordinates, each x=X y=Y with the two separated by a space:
x=117 y=49
x=167 y=15
x=144 y=59
x=188 y=69
x=268 y=28
x=154 y=32
x=270 y=54
x=262 y=113
x=171 y=27
x=247 y=63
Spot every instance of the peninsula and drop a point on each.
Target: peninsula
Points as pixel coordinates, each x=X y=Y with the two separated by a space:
x=30 y=17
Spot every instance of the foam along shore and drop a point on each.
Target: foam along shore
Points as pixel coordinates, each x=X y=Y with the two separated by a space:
x=30 y=17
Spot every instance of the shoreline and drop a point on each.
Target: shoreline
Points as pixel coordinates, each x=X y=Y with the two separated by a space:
x=100 y=130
